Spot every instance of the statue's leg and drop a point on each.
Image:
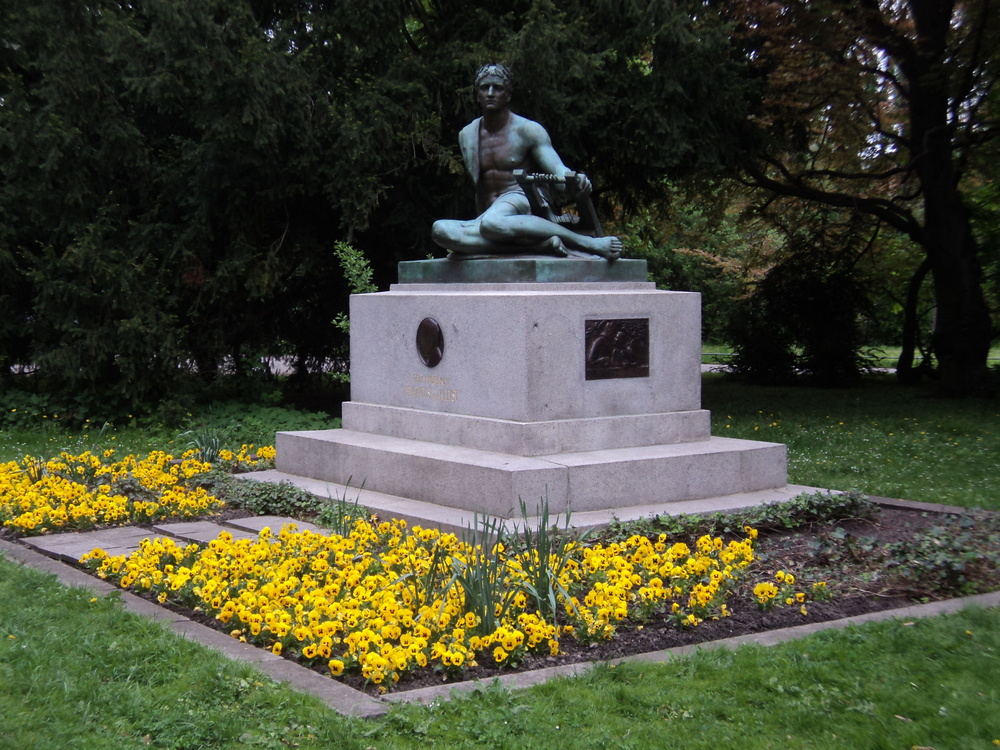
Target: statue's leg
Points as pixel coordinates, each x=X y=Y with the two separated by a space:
x=465 y=238
x=460 y=236
x=505 y=223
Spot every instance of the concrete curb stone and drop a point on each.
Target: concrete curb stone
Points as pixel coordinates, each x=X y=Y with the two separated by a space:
x=768 y=638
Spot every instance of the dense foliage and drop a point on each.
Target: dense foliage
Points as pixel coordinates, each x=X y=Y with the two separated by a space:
x=174 y=174
x=190 y=187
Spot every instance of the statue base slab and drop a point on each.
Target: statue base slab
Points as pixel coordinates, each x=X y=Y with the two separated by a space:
x=457 y=521
x=456 y=269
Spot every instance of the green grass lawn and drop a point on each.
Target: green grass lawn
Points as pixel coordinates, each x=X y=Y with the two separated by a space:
x=45 y=435
x=879 y=356
x=79 y=672
x=878 y=438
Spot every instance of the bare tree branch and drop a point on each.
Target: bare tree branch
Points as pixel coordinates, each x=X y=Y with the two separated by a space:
x=791 y=185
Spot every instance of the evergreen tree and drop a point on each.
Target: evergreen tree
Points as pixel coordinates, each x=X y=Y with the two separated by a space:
x=174 y=174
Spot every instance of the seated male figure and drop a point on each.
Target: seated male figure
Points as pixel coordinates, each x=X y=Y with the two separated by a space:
x=493 y=146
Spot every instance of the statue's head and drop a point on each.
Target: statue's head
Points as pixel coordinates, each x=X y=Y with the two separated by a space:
x=495 y=70
x=493 y=88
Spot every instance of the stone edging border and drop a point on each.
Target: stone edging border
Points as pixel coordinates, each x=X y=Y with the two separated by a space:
x=351 y=702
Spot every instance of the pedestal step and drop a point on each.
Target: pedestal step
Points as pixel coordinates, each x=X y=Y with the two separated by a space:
x=478 y=385
x=456 y=520
x=530 y=438
x=492 y=483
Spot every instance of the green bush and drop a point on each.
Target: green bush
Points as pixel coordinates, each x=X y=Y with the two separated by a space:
x=804 y=317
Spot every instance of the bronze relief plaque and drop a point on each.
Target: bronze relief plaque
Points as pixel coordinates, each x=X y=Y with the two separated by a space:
x=617 y=348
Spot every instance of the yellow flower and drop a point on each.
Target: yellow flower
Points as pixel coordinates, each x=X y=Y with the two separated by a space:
x=765 y=592
x=355 y=595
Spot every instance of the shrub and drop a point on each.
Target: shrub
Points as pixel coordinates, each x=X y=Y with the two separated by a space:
x=268 y=498
x=802 y=510
x=951 y=558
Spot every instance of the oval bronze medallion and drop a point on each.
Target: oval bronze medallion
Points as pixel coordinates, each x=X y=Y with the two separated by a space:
x=430 y=342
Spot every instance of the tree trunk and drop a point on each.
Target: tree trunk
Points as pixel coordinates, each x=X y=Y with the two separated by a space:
x=906 y=373
x=961 y=338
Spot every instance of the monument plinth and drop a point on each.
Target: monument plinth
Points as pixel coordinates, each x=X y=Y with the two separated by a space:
x=468 y=395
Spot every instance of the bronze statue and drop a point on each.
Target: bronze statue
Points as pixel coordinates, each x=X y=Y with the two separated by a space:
x=500 y=150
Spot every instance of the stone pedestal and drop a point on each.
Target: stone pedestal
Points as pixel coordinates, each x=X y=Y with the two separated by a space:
x=471 y=394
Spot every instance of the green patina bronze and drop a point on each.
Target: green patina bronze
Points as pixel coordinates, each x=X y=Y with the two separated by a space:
x=518 y=176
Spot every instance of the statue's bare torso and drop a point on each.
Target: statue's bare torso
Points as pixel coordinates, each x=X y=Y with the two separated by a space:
x=499 y=153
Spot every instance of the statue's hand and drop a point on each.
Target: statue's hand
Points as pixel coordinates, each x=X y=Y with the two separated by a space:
x=583 y=184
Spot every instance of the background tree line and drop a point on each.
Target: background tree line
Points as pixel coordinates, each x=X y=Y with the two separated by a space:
x=175 y=174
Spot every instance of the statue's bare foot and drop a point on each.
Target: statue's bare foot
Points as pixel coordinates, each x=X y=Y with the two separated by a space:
x=606 y=247
x=555 y=246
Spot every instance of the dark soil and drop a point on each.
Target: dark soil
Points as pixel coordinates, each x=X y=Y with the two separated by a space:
x=848 y=555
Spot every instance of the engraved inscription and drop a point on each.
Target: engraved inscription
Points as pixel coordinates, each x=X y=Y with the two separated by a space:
x=430 y=387
x=430 y=379
x=617 y=348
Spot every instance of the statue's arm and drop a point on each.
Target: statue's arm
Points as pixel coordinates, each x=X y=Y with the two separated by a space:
x=468 y=142
x=545 y=155
x=542 y=152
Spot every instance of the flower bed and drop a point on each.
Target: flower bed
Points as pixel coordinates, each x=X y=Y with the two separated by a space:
x=383 y=600
x=79 y=492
